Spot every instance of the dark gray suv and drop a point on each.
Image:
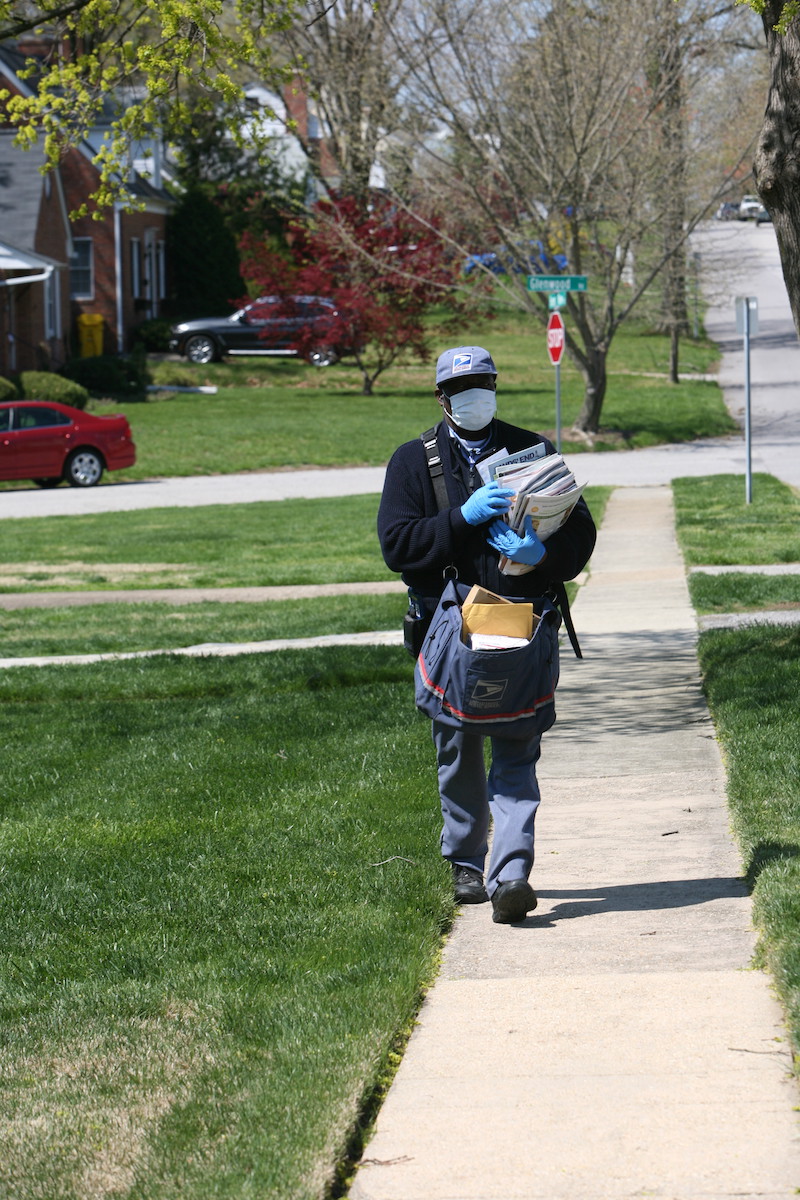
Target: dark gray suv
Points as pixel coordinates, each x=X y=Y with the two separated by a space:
x=270 y=325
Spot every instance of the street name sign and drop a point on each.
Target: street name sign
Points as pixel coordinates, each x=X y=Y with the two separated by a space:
x=558 y=283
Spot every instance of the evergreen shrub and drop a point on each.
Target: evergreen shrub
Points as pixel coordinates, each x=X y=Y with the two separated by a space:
x=108 y=374
x=153 y=335
x=7 y=390
x=46 y=385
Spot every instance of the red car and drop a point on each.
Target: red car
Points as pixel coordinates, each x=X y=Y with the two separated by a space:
x=47 y=442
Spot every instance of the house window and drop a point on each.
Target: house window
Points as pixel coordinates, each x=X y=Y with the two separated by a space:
x=136 y=268
x=81 y=270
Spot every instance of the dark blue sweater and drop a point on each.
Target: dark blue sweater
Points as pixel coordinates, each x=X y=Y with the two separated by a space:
x=420 y=542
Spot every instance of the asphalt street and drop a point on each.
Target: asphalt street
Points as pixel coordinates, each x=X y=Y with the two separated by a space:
x=735 y=259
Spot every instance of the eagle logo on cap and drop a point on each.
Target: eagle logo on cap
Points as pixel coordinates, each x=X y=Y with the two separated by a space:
x=461 y=362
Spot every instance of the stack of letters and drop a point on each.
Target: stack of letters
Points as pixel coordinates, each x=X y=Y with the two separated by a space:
x=545 y=490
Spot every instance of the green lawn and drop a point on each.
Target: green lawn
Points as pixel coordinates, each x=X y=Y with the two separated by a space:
x=225 y=545
x=116 y=628
x=739 y=592
x=222 y=900
x=716 y=527
x=274 y=413
x=752 y=682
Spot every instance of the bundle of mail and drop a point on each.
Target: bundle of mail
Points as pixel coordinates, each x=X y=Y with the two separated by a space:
x=545 y=490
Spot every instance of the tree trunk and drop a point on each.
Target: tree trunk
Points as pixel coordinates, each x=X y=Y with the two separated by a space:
x=674 y=345
x=668 y=87
x=777 y=160
x=594 y=374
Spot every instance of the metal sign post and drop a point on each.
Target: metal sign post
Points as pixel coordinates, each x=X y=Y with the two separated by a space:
x=747 y=325
x=556 y=287
x=556 y=340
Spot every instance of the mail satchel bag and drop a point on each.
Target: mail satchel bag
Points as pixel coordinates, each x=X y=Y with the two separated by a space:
x=508 y=693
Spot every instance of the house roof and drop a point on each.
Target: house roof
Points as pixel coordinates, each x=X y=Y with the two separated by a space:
x=154 y=197
x=20 y=192
x=14 y=259
x=11 y=63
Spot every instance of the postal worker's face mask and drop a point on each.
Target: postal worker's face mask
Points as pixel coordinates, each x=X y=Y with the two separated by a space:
x=473 y=408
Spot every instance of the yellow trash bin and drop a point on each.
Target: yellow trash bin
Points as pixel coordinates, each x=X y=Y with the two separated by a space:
x=90 y=334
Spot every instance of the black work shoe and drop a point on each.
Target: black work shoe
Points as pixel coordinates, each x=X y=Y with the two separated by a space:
x=468 y=885
x=512 y=901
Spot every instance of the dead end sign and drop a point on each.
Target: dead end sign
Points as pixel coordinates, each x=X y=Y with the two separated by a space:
x=556 y=338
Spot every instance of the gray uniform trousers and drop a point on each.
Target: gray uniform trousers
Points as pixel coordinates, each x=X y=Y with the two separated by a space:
x=511 y=795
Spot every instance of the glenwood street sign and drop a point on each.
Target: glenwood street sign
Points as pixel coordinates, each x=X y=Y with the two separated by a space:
x=558 y=283
x=556 y=338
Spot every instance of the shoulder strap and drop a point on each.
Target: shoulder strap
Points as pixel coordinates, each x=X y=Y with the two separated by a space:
x=562 y=602
x=435 y=466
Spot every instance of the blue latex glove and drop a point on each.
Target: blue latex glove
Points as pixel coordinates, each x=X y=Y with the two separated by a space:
x=489 y=501
x=527 y=549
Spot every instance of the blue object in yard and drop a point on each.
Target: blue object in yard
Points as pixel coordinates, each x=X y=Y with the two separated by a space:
x=503 y=260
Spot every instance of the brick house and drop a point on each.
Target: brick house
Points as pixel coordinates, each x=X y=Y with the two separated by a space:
x=35 y=250
x=113 y=268
x=118 y=267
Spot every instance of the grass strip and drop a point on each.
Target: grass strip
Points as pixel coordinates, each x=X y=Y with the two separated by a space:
x=716 y=527
x=119 y=627
x=739 y=592
x=223 y=899
x=752 y=681
x=269 y=543
x=331 y=540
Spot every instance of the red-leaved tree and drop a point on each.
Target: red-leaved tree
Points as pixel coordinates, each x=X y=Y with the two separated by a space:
x=383 y=268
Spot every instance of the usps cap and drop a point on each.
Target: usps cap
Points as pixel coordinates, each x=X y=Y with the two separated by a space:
x=464 y=360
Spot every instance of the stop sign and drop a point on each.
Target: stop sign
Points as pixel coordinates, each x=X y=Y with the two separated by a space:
x=556 y=337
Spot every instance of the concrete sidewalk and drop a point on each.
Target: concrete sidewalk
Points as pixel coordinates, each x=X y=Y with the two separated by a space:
x=618 y=1043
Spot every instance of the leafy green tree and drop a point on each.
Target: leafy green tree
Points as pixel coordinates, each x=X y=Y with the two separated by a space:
x=139 y=56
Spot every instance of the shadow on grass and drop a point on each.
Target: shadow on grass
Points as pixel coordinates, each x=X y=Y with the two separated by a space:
x=764 y=854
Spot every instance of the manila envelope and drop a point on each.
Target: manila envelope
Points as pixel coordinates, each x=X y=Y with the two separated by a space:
x=482 y=595
x=512 y=620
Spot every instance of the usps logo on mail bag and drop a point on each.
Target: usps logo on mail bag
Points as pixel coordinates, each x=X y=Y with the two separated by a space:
x=462 y=364
x=487 y=693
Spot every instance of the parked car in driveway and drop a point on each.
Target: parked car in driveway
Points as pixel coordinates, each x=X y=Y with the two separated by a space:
x=49 y=442
x=270 y=325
